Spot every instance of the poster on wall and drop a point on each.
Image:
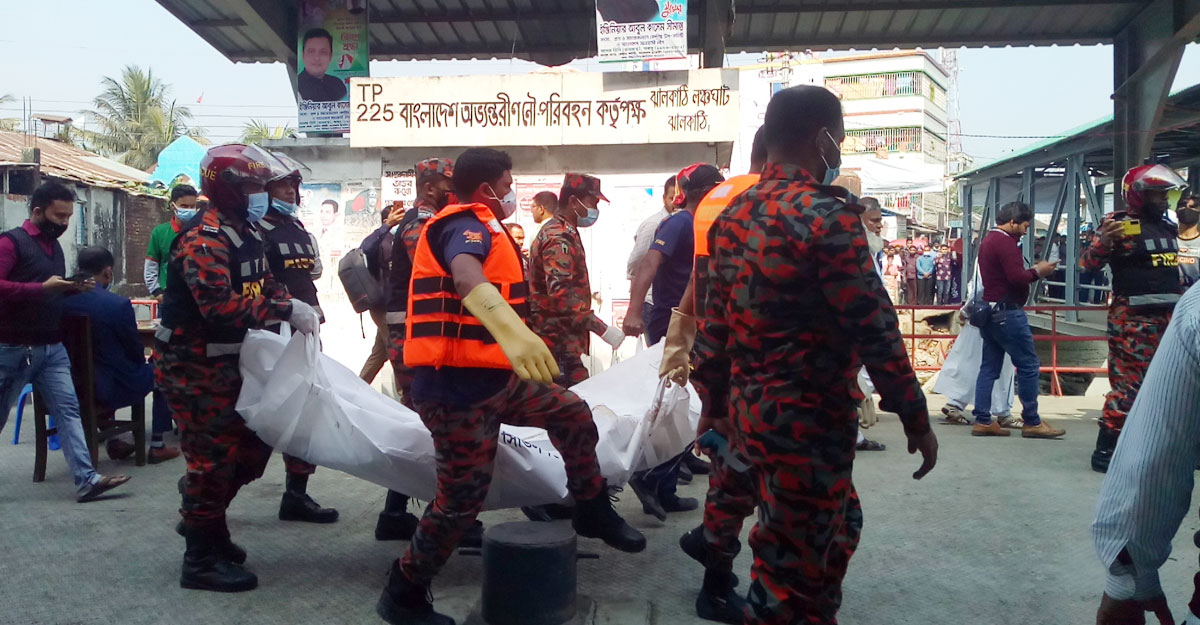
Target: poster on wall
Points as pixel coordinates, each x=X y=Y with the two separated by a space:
x=398 y=184
x=641 y=30
x=332 y=49
x=696 y=106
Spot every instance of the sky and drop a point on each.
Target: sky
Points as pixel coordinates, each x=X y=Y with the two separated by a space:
x=1008 y=97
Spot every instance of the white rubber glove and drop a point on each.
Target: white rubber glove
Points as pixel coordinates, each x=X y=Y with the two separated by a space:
x=304 y=318
x=613 y=336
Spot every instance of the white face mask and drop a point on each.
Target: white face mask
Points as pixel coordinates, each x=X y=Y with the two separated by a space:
x=508 y=204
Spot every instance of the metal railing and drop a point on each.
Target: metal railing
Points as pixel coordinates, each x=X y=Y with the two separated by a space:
x=1054 y=337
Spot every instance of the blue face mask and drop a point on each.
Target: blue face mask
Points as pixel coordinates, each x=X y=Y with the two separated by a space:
x=589 y=219
x=256 y=206
x=283 y=208
x=831 y=172
x=186 y=214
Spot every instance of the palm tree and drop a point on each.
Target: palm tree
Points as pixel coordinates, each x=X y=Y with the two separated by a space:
x=255 y=132
x=136 y=119
x=8 y=123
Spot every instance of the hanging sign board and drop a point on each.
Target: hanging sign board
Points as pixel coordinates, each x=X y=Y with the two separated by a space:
x=641 y=30
x=697 y=106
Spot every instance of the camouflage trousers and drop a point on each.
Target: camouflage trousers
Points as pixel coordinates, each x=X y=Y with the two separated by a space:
x=222 y=453
x=465 y=439
x=572 y=369
x=809 y=523
x=403 y=373
x=731 y=498
x=1133 y=336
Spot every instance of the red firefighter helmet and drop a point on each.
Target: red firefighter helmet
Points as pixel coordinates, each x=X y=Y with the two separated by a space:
x=225 y=168
x=1145 y=178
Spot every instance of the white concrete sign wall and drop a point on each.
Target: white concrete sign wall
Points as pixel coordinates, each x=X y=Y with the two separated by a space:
x=696 y=106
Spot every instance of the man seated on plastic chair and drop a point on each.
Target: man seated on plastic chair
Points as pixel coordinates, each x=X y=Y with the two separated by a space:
x=122 y=375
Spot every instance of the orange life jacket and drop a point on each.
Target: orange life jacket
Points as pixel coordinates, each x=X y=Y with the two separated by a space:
x=440 y=331
x=716 y=201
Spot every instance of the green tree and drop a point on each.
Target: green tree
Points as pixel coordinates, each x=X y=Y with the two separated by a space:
x=135 y=118
x=255 y=132
x=9 y=123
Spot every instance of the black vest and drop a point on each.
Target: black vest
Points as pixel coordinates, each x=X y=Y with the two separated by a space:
x=400 y=267
x=1148 y=274
x=181 y=314
x=291 y=256
x=33 y=322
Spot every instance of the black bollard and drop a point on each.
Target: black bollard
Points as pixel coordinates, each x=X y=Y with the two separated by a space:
x=528 y=574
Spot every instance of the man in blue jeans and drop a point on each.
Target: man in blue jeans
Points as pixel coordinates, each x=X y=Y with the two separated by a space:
x=1006 y=288
x=32 y=288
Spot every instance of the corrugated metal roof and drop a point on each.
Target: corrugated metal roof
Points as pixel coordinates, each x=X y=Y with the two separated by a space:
x=557 y=31
x=71 y=163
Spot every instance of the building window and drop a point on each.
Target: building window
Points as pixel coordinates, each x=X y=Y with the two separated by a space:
x=873 y=140
x=20 y=181
x=887 y=85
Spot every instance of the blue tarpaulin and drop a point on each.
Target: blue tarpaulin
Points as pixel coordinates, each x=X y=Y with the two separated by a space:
x=181 y=157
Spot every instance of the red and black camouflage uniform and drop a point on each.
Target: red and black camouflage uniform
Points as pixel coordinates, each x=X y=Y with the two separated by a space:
x=408 y=234
x=560 y=294
x=219 y=287
x=793 y=309
x=400 y=272
x=1134 y=326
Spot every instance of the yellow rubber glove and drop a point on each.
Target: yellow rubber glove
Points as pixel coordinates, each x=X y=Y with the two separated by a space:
x=677 y=352
x=530 y=358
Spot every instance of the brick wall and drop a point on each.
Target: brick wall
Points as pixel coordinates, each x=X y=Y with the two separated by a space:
x=142 y=214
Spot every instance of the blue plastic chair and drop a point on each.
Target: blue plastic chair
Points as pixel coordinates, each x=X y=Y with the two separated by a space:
x=52 y=440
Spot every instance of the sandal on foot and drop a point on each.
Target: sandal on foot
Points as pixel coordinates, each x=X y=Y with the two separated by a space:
x=954 y=416
x=869 y=445
x=105 y=484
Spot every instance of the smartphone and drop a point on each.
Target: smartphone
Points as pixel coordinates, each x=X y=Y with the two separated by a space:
x=1133 y=227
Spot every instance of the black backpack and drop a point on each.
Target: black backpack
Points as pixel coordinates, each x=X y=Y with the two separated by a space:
x=363 y=289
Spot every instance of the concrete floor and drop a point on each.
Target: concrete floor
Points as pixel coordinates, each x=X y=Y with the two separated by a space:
x=997 y=534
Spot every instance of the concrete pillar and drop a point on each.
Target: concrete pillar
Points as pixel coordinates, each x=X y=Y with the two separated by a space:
x=1146 y=56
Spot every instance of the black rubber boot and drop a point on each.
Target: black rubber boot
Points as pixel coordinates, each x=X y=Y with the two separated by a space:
x=695 y=546
x=298 y=506
x=548 y=512
x=683 y=474
x=396 y=522
x=674 y=503
x=225 y=548
x=696 y=465
x=647 y=494
x=718 y=601
x=597 y=518
x=404 y=602
x=1106 y=442
x=473 y=539
x=204 y=569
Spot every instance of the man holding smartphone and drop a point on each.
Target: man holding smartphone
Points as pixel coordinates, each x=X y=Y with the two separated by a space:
x=1141 y=247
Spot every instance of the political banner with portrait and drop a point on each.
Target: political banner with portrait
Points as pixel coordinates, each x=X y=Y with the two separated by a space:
x=641 y=30
x=332 y=49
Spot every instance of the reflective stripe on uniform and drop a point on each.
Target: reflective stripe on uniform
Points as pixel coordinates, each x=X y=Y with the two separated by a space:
x=162 y=333
x=1153 y=299
x=396 y=318
x=216 y=350
x=233 y=235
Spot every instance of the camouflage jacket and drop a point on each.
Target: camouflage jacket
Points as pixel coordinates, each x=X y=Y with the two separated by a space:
x=793 y=309
x=560 y=295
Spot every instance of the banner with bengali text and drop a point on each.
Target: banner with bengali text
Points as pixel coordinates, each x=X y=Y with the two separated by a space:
x=696 y=106
x=641 y=30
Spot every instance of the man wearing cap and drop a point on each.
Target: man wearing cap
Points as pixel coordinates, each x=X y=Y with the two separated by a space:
x=433 y=193
x=560 y=294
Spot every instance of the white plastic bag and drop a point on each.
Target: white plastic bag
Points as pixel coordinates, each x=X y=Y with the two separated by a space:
x=304 y=403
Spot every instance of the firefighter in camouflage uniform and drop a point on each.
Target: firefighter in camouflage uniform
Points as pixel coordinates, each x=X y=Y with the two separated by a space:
x=1141 y=246
x=477 y=365
x=793 y=309
x=294 y=260
x=218 y=287
x=560 y=294
x=433 y=193
x=732 y=488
